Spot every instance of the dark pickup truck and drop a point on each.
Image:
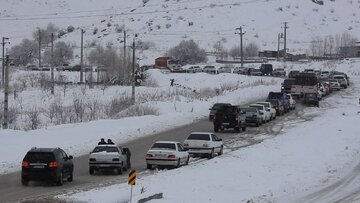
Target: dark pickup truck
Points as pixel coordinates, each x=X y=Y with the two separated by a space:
x=229 y=117
x=286 y=85
x=281 y=96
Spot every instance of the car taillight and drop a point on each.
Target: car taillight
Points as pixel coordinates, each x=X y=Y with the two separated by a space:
x=171 y=156
x=149 y=155
x=205 y=145
x=24 y=163
x=53 y=164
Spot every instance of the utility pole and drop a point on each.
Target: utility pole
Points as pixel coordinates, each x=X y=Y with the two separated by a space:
x=124 y=59
x=285 y=28
x=39 y=48
x=52 y=63
x=280 y=35
x=133 y=74
x=241 y=33
x=82 y=57
x=3 y=60
x=6 y=94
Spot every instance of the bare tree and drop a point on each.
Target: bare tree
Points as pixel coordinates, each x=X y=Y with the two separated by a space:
x=188 y=52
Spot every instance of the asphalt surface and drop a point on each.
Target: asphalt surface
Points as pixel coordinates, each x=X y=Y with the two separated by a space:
x=11 y=189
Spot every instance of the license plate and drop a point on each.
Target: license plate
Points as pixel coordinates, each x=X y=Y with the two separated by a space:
x=39 y=166
x=160 y=155
x=226 y=123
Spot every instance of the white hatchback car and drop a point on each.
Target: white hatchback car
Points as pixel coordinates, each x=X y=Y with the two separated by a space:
x=167 y=153
x=269 y=107
x=266 y=114
x=204 y=143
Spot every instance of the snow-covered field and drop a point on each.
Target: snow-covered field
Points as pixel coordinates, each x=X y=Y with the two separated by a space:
x=313 y=151
x=175 y=106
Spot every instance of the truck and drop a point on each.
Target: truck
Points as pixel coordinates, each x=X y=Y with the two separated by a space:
x=229 y=117
x=168 y=63
x=282 y=98
x=304 y=83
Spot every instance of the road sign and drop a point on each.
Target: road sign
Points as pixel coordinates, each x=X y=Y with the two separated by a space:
x=132 y=177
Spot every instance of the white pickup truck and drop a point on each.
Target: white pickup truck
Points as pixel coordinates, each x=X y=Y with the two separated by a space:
x=109 y=156
x=204 y=143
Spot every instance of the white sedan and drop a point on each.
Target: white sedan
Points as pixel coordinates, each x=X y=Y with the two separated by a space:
x=269 y=107
x=166 y=153
x=203 y=143
x=266 y=114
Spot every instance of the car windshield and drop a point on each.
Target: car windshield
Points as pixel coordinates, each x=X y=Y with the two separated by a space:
x=258 y=107
x=170 y=146
x=249 y=109
x=273 y=102
x=42 y=157
x=105 y=149
x=264 y=104
x=199 y=137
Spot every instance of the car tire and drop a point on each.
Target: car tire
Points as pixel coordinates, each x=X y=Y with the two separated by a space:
x=221 y=150
x=243 y=128
x=212 y=154
x=257 y=124
x=24 y=182
x=60 y=180
x=149 y=166
x=91 y=171
x=178 y=163
x=187 y=161
x=71 y=177
x=119 y=170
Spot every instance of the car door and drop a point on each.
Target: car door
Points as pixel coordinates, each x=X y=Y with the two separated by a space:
x=182 y=153
x=216 y=142
x=66 y=162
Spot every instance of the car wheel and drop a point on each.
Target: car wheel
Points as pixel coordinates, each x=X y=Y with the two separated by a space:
x=212 y=154
x=221 y=150
x=91 y=171
x=178 y=163
x=149 y=166
x=24 y=182
x=216 y=128
x=60 y=180
x=187 y=161
x=119 y=170
x=237 y=129
x=243 y=128
x=71 y=177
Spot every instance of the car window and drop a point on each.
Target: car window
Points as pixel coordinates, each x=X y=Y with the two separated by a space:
x=169 y=146
x=199 y=137
x=105 y=149
x=40 y=157
x=180 y=147
x=63 y=153
x=214 y=137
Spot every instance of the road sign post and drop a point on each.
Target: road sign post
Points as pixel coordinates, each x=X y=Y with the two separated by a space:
x=131 y=182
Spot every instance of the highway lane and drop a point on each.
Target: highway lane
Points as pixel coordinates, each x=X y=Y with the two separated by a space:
x=11 y=189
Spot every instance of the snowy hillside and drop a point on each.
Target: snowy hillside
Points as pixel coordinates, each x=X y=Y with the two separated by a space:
x=166 y=22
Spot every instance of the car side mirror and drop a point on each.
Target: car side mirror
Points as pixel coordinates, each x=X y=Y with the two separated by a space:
x=70 y=157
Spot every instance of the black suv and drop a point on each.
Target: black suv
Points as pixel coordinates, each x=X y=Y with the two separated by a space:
x=46 y=164
x=214 y=109
x=229 y=117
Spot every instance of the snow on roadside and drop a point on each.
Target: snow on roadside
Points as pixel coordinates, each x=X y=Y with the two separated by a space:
x=78 y=139
x=306 y=156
